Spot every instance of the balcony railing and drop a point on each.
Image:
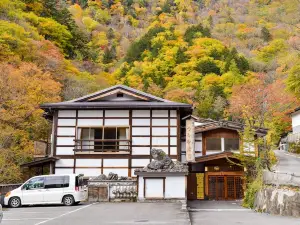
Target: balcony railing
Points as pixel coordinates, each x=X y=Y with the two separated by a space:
x=102 y=145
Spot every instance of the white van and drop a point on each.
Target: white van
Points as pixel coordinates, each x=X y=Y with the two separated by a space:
x=48 y=189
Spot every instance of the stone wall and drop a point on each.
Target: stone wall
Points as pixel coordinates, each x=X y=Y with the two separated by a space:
x=278 y=201
x=277 y=179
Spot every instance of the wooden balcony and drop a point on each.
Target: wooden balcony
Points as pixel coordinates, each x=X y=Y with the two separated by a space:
x=102 y=145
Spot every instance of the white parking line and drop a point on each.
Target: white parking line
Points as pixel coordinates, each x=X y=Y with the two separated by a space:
x=45 y=221
x=26 y=219
x=218 y=210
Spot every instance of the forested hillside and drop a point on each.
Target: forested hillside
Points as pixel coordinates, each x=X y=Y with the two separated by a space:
x=236 y=60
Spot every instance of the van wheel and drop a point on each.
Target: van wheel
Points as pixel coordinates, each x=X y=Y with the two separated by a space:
x=68 y=200
x=14 y=202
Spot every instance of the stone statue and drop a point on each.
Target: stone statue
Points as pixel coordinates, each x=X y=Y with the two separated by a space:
x=163 y=163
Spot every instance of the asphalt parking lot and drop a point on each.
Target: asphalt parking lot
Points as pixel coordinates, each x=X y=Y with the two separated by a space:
x=230 y=213
x=99 y=213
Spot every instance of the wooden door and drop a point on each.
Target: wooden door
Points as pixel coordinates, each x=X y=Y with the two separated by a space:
x=225 y=187
x=192 y=186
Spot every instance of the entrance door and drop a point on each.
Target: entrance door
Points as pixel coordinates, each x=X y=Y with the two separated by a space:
x=225 y=187
x=195 y=186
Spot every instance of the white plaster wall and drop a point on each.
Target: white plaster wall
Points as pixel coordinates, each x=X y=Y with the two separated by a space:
x=66 y=122
x=139 y=162
x=160 y=141
x=90 y=113
x=140 y=122
x=88 y=162
x=159 y=113
x=88 y=172
x=173 y=122
x=140 y=140
x=59 y=171
x=173 y=150
x=116 y=122
x=160 y=122
x=154 y=188
x=140 y=150
x=160 y=131
x=90 y=122
x=183 y=158
x=141 y=131
x=66 y=131
x=67 y=113
x=173 y=131
x=120 y=172
x=175 y=187
x=65 y=141
x=64 y=163
x=140 y=113
x=64 y=151
x=116 y=113
x=115 y=162
x=173 y=113
x=173 y=140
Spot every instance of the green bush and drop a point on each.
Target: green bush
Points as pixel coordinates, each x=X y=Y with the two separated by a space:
x=252 y=189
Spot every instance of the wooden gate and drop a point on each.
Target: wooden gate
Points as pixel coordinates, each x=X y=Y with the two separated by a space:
x=225 y=187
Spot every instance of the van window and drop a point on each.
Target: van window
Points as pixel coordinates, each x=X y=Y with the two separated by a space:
x=79 y=181
x=57 y=182
x=34 y=183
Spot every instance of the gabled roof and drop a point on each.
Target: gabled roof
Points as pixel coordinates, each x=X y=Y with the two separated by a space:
x=101 y=99
x=209 y=124
x=120 y=88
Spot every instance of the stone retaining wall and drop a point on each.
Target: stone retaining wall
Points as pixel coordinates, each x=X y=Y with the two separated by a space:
x=277 y=179
x=278 y=201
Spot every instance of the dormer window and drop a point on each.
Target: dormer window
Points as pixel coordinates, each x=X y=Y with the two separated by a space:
x=120 y=95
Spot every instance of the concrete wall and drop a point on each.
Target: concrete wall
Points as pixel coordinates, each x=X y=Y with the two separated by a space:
x=168 y=188
x=278 y=201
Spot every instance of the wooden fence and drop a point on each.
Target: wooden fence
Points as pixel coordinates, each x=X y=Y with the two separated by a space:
x=4 y=188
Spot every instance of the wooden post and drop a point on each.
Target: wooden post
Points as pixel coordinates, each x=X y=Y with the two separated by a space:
x=190 y=140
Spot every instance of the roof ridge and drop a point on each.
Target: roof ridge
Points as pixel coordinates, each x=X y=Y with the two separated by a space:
x=122 y=87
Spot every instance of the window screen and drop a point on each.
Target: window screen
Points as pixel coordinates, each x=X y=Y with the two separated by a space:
x=232 y=144
x=213 y=144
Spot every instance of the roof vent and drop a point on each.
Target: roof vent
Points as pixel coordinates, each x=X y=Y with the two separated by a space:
x=120 y=95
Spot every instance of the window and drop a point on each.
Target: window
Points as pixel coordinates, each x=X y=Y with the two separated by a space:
x=57 y=182
x=34 y=183
x=213 y=144
x=103 y=138
x=232 y=144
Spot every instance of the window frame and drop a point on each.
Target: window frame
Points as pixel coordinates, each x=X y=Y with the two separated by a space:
x=228 y=150
x=103 y=133
x=211 y=150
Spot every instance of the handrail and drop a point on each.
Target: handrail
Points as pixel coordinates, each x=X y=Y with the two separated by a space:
x=102 y=145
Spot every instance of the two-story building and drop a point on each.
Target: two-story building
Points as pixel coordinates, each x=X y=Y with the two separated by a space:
x=214 y=172
x=111 y=130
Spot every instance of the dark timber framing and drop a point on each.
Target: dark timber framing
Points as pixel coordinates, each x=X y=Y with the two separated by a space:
x=129 y=155
x=161 y=133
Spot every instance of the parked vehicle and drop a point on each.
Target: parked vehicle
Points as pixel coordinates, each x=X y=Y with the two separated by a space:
x=1 y=213
x=48 y=189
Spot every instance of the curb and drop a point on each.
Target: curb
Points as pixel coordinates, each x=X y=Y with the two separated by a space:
x=188 y=216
